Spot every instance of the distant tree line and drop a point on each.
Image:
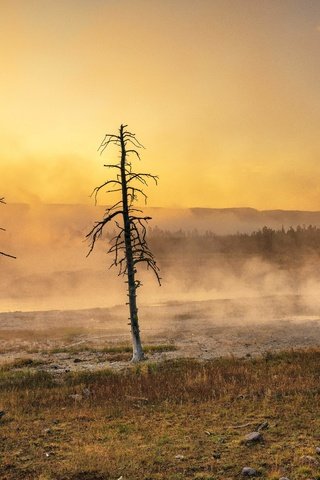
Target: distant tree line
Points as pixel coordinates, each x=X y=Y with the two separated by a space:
x=268 y=242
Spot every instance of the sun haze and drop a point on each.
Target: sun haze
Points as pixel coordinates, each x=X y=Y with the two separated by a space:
x=224 y=94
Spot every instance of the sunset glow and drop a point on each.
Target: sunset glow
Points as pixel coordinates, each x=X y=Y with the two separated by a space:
x=224 y=94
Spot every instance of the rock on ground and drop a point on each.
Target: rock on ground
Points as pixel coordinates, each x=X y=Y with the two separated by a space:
x=253 y=437
x=249 y=472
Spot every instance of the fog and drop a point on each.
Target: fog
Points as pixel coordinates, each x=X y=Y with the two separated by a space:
x=52 y=271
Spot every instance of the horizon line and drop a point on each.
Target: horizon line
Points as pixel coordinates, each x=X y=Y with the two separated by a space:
x=64 y=204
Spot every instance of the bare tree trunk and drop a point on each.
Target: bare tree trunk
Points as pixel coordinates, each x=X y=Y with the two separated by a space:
x=129 y=245
x=137 y=354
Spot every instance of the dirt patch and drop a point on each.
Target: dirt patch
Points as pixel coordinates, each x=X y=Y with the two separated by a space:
x=79 y=340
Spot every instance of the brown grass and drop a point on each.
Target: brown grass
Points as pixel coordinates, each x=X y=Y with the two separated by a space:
x=104 y=425
x=113 y=352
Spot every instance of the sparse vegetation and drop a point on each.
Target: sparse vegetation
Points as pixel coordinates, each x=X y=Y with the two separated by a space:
x=112 y=349
x=178 y=419
x=112 y=353
x=20 y=363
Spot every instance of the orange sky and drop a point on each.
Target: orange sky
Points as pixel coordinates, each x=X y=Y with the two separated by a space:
x=224 y=94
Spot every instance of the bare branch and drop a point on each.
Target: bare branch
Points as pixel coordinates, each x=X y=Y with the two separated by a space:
x=134 y=190
x=2 y=200
x=150 y=264
x=7 y=255
x=112 y=166
x=128 y=136
x=116 y=205
x=134 y=142
x=141 y=177
x=134 y=151
x=114 y=190
x=97 y=230
x=108 y=138
x=97 y=189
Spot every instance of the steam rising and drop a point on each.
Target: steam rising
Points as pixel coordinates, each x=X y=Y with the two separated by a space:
x=52 y=271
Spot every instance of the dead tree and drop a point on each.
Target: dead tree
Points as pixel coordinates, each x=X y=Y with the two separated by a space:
x=129 y=245
x=3 y=230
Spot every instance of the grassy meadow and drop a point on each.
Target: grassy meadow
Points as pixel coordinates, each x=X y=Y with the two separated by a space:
x=175 y=419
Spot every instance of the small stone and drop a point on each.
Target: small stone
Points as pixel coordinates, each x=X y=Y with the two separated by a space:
x=253 y=437
x=318 y=450
x=284 y=478
x=179 y=457
x=55 y=421
x=47 y=430
x=249 y=472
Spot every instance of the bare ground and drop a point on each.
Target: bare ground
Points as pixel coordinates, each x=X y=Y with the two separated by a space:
x=173 y=420
x=76 y=340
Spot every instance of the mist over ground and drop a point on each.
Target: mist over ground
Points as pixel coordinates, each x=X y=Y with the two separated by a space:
x=198 y=251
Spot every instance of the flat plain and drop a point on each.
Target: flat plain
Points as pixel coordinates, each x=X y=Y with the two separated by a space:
x=76 y=408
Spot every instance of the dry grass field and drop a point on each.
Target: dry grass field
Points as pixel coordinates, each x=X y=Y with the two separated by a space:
x=76 y=409
x=176 y=419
